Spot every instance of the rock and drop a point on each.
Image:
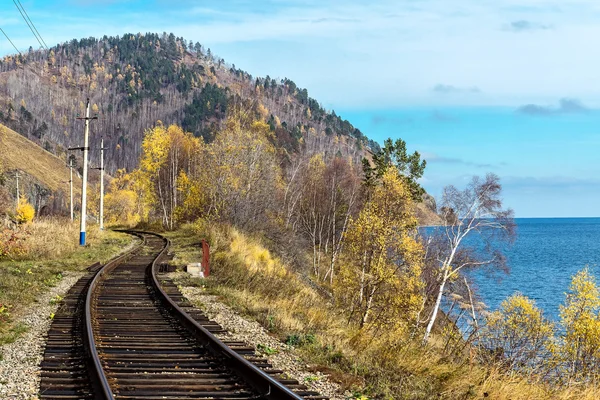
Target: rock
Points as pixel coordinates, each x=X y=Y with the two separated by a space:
x=429 y=202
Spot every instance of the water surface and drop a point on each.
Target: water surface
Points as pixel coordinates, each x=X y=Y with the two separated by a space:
x=544 y=257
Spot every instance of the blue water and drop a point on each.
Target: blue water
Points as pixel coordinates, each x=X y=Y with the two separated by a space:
x=544 y=257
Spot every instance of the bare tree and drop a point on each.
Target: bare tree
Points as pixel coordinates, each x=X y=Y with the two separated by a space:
x=476 y=210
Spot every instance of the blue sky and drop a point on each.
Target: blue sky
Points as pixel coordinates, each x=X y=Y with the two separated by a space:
x=491 y=85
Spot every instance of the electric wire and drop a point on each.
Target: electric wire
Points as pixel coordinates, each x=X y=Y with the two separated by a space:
x=11 y=42
x=28 y=24
x=34 y=27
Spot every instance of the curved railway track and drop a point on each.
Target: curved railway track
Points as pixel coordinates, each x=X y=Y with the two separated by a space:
x=123 y=332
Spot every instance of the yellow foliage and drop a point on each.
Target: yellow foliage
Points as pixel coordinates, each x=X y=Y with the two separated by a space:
x=380 y=273
x=193 y=195
x=520 y=332
x=124 y=201
x=25 y=211
x=263 y=111
x=166 y=153
x=255 y=257
x=241 y=169
x=120 y=207
x=578 y=351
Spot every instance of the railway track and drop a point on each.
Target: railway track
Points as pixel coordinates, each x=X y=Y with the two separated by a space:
x=123 y=332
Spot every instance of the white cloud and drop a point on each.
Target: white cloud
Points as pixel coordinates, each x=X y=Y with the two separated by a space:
x=384 y=52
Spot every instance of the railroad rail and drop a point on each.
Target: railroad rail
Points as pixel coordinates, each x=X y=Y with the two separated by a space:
x=125 y=332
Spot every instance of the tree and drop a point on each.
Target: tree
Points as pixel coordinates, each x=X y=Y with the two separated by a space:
x=319 y=199
x=379 y=281
x=25 y=211
x=122 y=203
x=518 y=336
x=242 y=170
x=394 y=154
x=476 y=210
x=579 y=347
x=165 y=153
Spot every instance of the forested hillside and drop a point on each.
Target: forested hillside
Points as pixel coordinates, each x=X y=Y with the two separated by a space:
x=135 y=80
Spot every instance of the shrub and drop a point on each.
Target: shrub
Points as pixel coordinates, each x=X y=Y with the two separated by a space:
x=517 y=336
x=24 y=212
x=12 y=243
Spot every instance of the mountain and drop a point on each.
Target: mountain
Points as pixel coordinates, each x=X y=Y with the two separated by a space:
x=134 y=80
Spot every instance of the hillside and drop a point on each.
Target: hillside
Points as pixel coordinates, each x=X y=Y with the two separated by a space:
x=135 y=80
x=44 y=176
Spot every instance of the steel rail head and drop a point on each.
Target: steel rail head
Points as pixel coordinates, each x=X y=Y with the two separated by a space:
x=97 y=372
x=265 y=384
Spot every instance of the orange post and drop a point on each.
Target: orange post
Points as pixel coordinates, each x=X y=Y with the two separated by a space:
x=205 y=257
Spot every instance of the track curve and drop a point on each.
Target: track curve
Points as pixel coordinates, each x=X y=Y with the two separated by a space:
x=145 y=346
x=125 y=332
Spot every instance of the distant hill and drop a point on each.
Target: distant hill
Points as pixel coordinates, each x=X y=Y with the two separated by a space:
x=136 y=79
x=44 y=177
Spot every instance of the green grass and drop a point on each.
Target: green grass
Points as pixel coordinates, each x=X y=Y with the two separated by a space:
x=263 y=348
x=51 y=250
x=13 y=333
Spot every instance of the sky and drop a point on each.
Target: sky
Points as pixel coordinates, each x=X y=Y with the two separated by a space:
x=475 y=86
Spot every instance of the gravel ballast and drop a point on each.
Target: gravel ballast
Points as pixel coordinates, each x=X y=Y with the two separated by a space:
x=252 y=333
x=19 y=363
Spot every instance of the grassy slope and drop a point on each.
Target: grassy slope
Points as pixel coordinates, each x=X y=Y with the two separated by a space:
x=25 y=155
x=256 y=284
x=50 y=249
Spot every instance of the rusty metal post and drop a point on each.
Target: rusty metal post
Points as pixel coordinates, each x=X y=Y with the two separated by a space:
x=206 y=258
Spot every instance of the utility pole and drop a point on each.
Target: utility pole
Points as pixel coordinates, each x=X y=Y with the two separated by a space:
x=71 y=187
x=86 y=150
x=18 y=196
x=101 y=183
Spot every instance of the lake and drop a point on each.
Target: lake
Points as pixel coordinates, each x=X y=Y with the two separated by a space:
x=544 y=257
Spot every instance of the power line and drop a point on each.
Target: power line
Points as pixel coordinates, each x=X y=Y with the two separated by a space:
x=31 y=28
x=43 y=41
x=18 y=51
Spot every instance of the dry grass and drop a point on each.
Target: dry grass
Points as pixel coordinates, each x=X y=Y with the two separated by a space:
x=25 y=155
x=257 y=284
x=51 y=249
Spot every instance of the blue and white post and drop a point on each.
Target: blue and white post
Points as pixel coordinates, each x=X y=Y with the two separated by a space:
x=86 y=148
x=102 y=184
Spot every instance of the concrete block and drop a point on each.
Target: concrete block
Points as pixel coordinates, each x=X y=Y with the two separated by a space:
x=195 y=270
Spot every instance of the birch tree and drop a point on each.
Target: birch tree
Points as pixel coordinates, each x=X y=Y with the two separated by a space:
x=476 y=210
x=166 y=153
x=379 y=280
